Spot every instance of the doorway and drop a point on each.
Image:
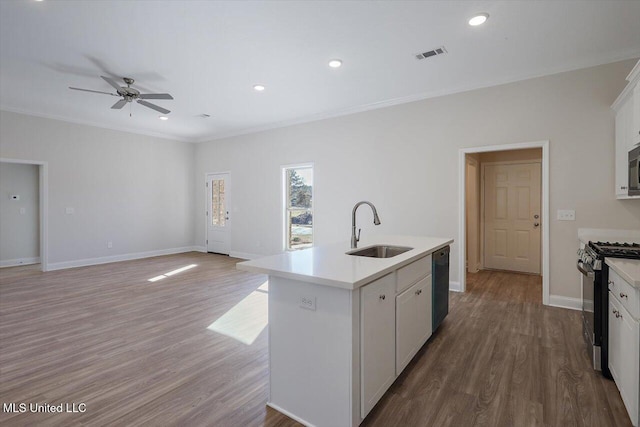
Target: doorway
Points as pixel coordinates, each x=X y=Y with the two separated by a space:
x=217 y=213
x=24 y=208
x=504 y=199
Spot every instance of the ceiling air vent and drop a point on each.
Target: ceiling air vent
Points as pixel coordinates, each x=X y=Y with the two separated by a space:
x=437 y=51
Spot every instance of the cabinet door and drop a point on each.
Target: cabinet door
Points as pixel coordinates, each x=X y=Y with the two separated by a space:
x=614 y=338
x=628 y=372
x=424 y=304
x=377 y=340
x=623 y=135
x=413 y=321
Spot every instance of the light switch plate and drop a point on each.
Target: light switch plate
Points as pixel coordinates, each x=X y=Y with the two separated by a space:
x=566 y=215
x=70 y=211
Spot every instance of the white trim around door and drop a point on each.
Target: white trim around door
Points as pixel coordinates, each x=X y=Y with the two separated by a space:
x=544 y=145
x=43 y=172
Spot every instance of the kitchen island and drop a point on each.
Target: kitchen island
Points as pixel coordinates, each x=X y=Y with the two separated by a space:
x=343 y=327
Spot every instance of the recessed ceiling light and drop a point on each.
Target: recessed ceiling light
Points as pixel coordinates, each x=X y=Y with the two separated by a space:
x=259 y=88
x=163 y=118
x=478 y=19
x=335 y=63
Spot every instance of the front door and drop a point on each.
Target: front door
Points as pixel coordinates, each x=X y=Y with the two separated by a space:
x=218 y=224
x=512 y=217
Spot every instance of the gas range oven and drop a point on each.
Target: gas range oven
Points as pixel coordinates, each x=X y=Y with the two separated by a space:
x=595 y=295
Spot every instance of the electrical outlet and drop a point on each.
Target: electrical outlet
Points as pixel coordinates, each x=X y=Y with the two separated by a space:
x=566 y=215
x=23 y=211
x=109 y=245
x=308 y=303
x=70 y=211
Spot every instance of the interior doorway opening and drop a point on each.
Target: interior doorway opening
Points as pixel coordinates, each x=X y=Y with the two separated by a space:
x=24 y=213
x=504 y=213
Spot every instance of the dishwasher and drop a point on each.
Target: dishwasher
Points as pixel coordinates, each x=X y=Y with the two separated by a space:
x=440 y=288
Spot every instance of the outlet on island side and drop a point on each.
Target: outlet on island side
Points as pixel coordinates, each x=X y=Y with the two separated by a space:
x=308 y=303
x=109 y=244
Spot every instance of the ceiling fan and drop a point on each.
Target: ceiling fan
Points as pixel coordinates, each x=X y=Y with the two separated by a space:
x=130 y=94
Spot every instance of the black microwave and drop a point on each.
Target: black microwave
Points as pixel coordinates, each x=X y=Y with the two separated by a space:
x=634 y=172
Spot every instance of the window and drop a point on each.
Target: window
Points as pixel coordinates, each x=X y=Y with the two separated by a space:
x=298 y=206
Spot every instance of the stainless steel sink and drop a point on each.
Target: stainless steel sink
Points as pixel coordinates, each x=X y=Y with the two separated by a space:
x=380 y=251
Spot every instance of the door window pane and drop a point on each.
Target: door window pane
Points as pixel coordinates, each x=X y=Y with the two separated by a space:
x=218 y=210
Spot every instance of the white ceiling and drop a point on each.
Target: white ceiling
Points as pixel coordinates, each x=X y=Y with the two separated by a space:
x=209 y=54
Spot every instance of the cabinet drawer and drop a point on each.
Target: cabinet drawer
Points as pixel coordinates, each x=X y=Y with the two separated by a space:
x=625 y=293
x=410 y=274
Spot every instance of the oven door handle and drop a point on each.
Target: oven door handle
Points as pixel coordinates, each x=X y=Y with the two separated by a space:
x=582 y=270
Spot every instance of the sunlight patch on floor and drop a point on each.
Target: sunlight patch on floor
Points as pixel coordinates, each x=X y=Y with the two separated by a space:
x=246 y=320
x=172 y=272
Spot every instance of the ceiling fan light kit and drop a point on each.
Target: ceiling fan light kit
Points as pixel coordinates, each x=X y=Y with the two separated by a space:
x=129 y=94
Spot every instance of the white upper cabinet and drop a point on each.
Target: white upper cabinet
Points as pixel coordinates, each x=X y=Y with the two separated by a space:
x=627 y=108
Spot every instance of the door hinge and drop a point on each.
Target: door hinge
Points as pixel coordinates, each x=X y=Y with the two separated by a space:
x=207 y=241
x=206 y=184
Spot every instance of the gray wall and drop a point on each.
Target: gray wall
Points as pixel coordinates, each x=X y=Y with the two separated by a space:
x=405 y=159
x=133 y=190
x=20 y=242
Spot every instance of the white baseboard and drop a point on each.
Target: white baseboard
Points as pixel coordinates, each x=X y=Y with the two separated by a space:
x=117 y=258
x=202 y=249
x=455 y=286
x=244 y=255
x=290 y=415
x=565 y=302
x=19 y=261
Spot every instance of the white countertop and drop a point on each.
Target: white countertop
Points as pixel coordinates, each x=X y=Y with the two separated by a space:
x=628 y=269
x=330 y=265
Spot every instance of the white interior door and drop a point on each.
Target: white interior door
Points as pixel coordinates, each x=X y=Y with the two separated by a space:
x=218 y=223
x=512 y=217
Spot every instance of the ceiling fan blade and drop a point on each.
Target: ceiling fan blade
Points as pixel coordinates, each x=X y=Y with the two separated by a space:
x=111 y=82
x=155 y=96
x=118 y=105
x=94 y=91
x=153 y=106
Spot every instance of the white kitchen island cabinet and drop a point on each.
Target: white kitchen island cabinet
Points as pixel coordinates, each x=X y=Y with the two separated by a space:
x=337 y=323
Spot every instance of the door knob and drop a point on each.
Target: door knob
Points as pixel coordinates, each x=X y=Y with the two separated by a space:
x=536 y=224
x=536 y=216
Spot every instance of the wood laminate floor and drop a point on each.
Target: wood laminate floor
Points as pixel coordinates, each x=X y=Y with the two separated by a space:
x=139 y=353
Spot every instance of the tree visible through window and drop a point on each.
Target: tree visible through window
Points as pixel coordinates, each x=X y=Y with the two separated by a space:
x=299 y=207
